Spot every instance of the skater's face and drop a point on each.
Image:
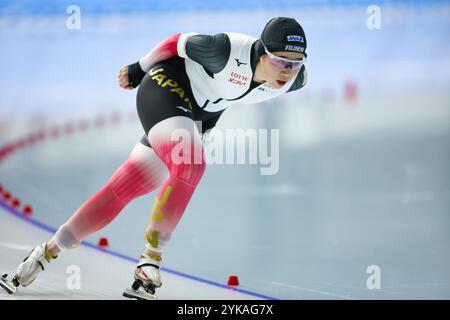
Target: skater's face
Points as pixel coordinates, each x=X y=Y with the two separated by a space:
x=279 y=67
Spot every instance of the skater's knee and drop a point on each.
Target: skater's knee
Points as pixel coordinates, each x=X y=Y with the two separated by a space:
x=178 y=144
x=185 y=160
x=136 y=177
x=190 y=173
x=186 y=164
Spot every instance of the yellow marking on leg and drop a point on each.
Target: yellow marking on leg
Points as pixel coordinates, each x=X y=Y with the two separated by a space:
x=158 y=213
x=154 y=240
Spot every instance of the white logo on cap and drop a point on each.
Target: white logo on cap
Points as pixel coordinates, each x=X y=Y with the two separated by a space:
x=294 y=48
x=295 y=38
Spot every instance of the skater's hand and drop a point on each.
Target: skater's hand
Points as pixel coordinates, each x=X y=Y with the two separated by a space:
x=123 y=79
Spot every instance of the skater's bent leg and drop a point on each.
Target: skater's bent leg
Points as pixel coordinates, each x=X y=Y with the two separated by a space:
x=140 y=174
x=178 y=144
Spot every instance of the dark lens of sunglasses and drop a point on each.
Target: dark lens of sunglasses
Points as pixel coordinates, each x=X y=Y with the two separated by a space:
x=285 y=64
x=297 y=65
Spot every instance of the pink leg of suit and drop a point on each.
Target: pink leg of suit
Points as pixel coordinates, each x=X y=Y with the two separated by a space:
x=186 y=164
x=143 y=172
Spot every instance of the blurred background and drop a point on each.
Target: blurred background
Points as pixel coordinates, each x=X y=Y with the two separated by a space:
x=364 y=174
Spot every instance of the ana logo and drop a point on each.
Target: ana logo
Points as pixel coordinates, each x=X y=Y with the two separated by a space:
x=293 y=48
x=295 y=38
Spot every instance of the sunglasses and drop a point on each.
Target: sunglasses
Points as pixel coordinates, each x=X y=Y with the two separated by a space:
x=284 y=63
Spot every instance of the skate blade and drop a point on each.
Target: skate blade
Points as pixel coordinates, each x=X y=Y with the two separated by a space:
x=132 y=294
x=7 y=285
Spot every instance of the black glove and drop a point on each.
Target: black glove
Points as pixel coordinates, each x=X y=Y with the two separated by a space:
x=135 y=74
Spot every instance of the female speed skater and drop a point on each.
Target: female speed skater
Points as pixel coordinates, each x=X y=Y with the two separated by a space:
x=185 y=79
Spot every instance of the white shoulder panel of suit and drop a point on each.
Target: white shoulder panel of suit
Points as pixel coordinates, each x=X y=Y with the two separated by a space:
x=228 y=86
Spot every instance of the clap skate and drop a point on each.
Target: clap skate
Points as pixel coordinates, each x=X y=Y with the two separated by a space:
x=147 y=279
x=9 y=285
x=28 y=269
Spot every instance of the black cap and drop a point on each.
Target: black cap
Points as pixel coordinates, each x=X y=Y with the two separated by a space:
x=284 y=34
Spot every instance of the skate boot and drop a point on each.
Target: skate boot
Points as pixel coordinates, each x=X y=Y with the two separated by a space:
x=28 y=269
x=147 y=279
